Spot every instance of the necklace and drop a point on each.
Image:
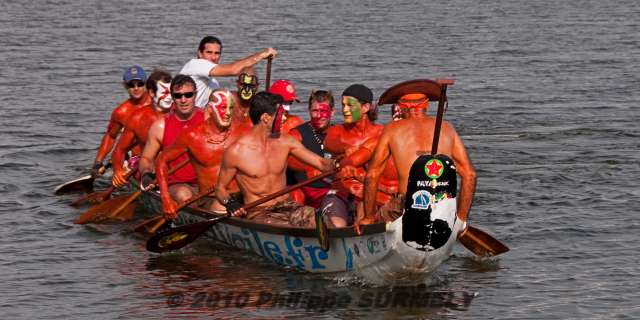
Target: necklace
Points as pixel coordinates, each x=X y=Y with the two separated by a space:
x=213 y=140
x=319 y=141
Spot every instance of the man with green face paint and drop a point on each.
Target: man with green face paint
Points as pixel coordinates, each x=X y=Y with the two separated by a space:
x=342 y=141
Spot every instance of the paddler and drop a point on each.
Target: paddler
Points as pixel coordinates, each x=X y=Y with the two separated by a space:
x=409 y=141
x=205 y=144
x=133 y=81
x=341 y=141
x=207 y=66
x=137 y=128
x=311 y=134
x=287 y=91
x=163 y=133
x=246 y=87
x=257 y=160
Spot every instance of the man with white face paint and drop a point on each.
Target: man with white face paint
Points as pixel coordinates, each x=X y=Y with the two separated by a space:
x=205 y=144
x=207 y=66
x=137 y=128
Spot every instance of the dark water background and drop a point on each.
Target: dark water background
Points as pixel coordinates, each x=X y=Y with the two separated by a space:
x=546 y=100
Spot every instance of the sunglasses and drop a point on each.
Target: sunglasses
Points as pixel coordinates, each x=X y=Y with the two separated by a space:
x=179 y=95
x=135 y=84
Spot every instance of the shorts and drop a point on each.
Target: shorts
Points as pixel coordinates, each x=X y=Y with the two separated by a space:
x=285 y=213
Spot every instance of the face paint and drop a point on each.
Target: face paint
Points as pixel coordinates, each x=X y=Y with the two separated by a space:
x=222 y=106
x=247 y=86
x=163 y=97
x=321 y=115
x=278 y=120
x=355 y=110
x=286 y=107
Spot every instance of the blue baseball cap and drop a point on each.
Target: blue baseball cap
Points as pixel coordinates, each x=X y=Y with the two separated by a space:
x=134 y=73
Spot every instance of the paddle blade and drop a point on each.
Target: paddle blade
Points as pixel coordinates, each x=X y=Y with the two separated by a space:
x=322 y=231
x=93 y=198
x=481 y=243
x=176 y=238
x=103 y=211
x=84 y=183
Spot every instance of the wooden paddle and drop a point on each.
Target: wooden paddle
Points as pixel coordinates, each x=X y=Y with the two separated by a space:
x=117 y=208
x=178 y=237
x=100 y=196
x=268 y=77
x=84 y=183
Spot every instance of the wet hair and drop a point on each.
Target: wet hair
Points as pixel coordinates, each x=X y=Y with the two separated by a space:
x=209 y=39
x=321 y=96
x=263 y=102
x=154 y=77
x=180 y=80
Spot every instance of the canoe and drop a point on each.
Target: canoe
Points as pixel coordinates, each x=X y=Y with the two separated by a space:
x=378 y=253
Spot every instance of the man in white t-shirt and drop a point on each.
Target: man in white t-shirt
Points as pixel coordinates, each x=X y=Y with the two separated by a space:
x=204 y=68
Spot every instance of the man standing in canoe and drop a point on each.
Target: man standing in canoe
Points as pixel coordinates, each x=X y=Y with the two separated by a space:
x=163 y=133
x=137 y=128
x=408 y=141
x=133 y=81
x=205 y=144
x=258 y=161
x=206 y=67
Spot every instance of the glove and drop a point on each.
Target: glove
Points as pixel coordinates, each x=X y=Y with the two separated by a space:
x=95 y=170
x=146 y=181
x=232 y=205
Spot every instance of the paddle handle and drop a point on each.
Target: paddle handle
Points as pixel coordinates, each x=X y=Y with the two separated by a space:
x=439 y=116
x=268 y=77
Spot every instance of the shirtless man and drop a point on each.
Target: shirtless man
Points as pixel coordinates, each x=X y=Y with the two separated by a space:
x=133 y=81
x=247 y=86
x=205 y=144
x=137 y=128
x=343 y=140
x=163 y=133
x=207 y=66
x=258 y=164
x=287 y=91
x=407 y=140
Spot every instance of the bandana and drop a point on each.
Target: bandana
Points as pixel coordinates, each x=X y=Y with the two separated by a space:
x=278 y=121
x=414 y=100
x=163 y=97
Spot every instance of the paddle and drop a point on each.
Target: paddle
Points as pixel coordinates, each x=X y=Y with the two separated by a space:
x=84 y=183
x=117 y=208
x=268 y=77
x=178 y=237
x=101 y=196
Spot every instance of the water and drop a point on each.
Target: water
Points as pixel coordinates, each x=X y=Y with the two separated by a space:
x=544 y=99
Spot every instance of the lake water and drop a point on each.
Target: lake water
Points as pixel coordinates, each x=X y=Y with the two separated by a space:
x=545 y=99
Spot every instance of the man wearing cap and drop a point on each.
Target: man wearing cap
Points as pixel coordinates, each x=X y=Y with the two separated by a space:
x=287 y=91
x=207 y=66
x=133 y=81
x=344 y=140
x=137 y=128
x=407 y=141
x=163 y=133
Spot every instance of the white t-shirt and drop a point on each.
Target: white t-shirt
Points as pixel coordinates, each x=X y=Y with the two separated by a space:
x=199 y=69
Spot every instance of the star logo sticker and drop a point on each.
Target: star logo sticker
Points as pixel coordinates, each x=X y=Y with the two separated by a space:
x=434 y=168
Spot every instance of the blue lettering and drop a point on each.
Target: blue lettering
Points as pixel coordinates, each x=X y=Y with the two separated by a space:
x=297 y=256
x=315 y=264
x=273 y=252
x=258 y=242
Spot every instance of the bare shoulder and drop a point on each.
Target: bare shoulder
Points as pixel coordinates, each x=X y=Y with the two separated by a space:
x=334 y=130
